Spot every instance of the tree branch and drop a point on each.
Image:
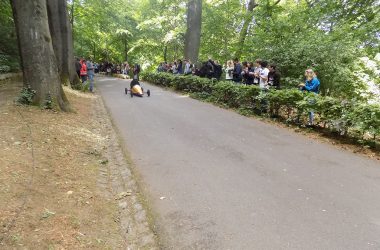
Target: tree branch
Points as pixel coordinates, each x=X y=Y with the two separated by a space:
x=278 y=1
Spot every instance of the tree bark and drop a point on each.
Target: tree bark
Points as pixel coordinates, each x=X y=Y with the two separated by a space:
x=40 y=69
x=93 y=51
x=193 y=32
x=61 y=33
x=126 y=47
x=72 y=15
x=166 y=53
x=244 y=31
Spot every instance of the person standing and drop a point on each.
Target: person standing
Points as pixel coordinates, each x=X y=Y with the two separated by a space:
x=126 y=68
x=83 y=71
x=90 y=74
x=274 y=77
x=236 y=74
x=174 y=68
x=78 y=66
x=229 y=69
x=248 y=74
x=179 y=67
x=312 y=85
x=187 y=67
x=256 y=72
x=136 y=72
x=264 y=75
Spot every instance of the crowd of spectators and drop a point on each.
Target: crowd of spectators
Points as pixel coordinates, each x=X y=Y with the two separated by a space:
x=120 y=68
x=259 y=73
x=248 y=73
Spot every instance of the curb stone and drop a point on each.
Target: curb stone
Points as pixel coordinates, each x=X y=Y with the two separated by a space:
x=118 y=185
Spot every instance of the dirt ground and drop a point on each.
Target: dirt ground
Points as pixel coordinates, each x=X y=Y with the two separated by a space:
x=64 y=180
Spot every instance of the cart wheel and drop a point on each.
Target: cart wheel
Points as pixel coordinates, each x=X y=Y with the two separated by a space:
x=142 y=89
x=126 y=90
x=148 y=92
x=131 y=93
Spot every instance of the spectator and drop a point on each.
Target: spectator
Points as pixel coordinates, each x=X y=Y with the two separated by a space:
x=160 y=68
x=126 y=68
x=236 y=74
x=174 y=68
x=229 y=69
x=210 y=69
x=264 y=75
x=78 y=66
x=274 y=77
x=312 y=85
x=217 y=70
x=83 y=71
x=136 y=72
x=256 y=72
x=187 y=67
x=179 y=67
x=248 y=74
x=90 y=74
x=109 y=70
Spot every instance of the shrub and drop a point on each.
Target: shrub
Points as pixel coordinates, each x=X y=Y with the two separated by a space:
x=26 y=96
x=336 y=114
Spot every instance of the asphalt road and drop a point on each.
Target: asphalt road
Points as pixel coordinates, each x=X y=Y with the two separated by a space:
x=218 y=180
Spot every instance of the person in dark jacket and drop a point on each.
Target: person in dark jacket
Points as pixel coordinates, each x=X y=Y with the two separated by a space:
x=236 y=74
x=78 y=66
x=136 y=72
x=179 y=67
x=274 y=77
x=248 y=74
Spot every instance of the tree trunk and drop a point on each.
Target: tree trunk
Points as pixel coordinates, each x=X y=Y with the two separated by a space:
x=38 y=59
x=93 y=51
x=72 y=15
x=244 y=31
x=193 y=32
x=126 y=48
x=166 y=53
x=61 y=34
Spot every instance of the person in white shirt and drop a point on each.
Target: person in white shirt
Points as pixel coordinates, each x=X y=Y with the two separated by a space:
x=187 y=67
x=174 y=68
x=257 y=71
x=264 y=75
x=229 y=69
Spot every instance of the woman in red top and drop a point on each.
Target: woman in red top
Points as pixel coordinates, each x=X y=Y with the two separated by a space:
x=83 y=71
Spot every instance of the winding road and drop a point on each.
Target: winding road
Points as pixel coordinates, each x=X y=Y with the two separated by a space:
x=219 y=180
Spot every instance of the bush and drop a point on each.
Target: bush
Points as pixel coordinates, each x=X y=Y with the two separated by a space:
x=8 y=64
x=335 y=114
x=26 y=96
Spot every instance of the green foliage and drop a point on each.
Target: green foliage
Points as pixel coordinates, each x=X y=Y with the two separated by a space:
x=366 y=118
x=329 y=36
x=26 y=96
x=286 y=99
x=8 y=63
x=290 y=104
x=48 y=102
x=9 y=59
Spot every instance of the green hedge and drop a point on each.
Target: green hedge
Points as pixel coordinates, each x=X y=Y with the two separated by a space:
x=346 y=117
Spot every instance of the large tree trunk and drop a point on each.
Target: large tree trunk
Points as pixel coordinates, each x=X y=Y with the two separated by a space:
x=193 y=32
x=126 y=47
x=61 y=34
x=166 y=53
x=244 y=31
x=38 y=60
